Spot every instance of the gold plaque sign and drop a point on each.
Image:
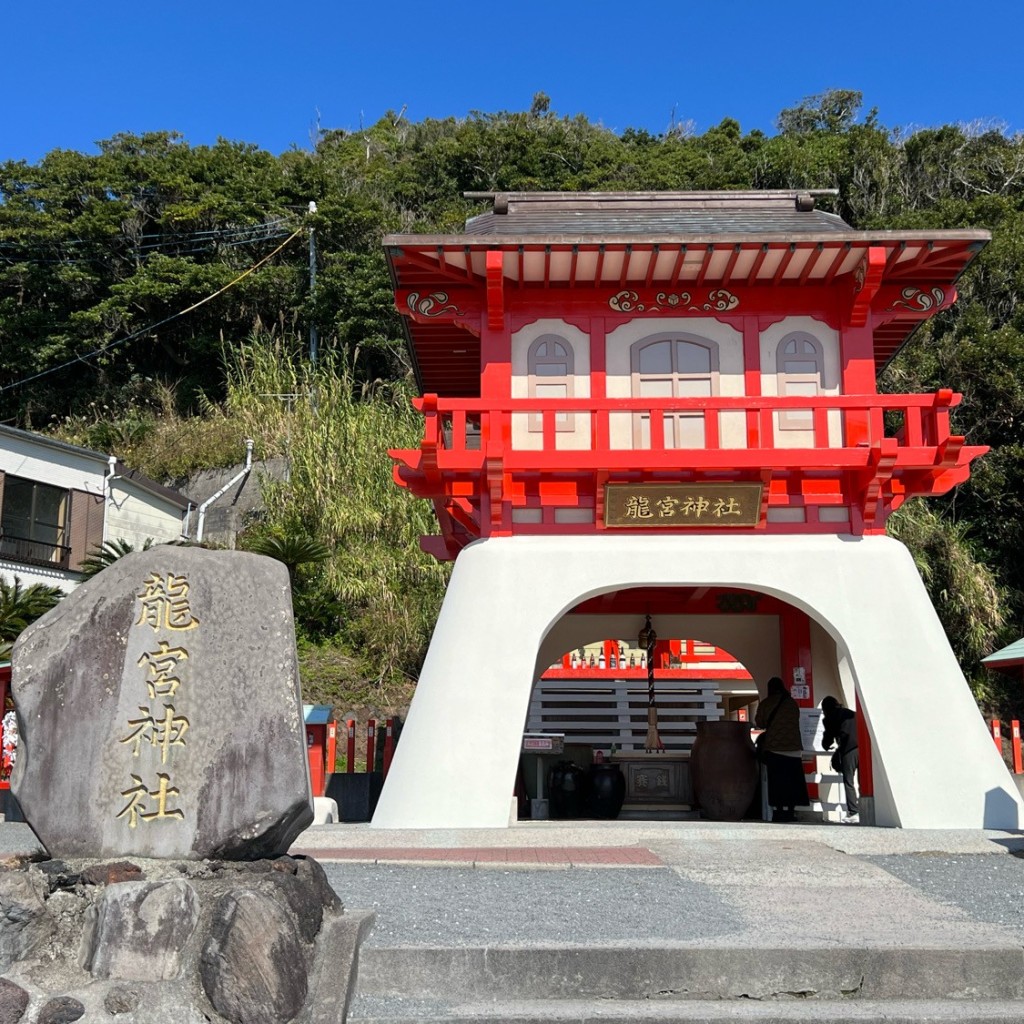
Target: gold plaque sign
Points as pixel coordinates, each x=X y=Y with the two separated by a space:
x=680 y=505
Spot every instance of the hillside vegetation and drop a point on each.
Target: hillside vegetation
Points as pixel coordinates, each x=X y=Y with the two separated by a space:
x=99 y=254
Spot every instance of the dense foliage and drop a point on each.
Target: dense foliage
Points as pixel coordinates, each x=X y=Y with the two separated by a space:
x=100 y=253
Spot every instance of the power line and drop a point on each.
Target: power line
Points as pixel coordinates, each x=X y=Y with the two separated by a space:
x=152 y=327
x=204 y=241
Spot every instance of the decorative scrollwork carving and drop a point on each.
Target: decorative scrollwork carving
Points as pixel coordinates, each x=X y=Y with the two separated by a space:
x=626 y=302
x=718 y=301
x=671 y=300
x=434 y=304
x=919 y=301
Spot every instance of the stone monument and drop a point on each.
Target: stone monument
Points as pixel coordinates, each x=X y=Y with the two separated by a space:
x=163 y=768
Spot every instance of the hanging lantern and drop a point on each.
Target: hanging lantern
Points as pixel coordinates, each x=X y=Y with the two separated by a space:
x=647 y=638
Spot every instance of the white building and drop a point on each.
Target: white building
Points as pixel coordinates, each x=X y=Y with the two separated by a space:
x=59 y=502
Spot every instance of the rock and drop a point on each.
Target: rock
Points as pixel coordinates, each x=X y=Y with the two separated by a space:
x=305 y=904
x=252 y=966
x=161 y=711
x=24 y=921
x=13 y=1001
x=61 y=1010
x=108 y=874
x=59 y=875
x=121 y=999
x=138 y=931
x=311 y=872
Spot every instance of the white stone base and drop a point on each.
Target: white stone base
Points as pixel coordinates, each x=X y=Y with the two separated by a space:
x=325 y=811
x=504 y=621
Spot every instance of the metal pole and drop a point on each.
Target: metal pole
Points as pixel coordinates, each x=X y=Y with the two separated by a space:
x=313 y=339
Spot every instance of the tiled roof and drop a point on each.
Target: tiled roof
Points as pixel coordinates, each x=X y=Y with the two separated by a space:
x=1007 y=657
x=665 y=214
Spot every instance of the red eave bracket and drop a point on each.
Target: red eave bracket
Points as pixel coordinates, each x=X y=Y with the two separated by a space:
x=869 y=279
x=881 y=462
x=495 y=289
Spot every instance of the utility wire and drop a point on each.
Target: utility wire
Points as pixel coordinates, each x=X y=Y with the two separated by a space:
x=202 y=241
x=153 y=327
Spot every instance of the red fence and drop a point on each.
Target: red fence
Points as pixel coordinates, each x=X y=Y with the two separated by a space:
x=372 y=740
x=1015 y=744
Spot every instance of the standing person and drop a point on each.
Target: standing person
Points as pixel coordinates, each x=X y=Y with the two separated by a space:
x=780 y=748
x=840 y=725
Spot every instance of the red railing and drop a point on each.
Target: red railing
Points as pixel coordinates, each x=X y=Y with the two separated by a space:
x=482 y=425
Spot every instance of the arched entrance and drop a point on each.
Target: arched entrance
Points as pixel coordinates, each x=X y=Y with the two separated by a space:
x=595 y=696
x=505 y=617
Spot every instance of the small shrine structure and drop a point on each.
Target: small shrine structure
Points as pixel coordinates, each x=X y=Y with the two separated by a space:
x=665 y=405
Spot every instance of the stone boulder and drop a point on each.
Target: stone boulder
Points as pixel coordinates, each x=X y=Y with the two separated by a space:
x=160 y=713
x=193 y=942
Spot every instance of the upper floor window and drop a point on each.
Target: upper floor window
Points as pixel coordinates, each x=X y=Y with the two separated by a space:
x=800 y=365
x=674 y=367
x=33 y=522
x=551 y=370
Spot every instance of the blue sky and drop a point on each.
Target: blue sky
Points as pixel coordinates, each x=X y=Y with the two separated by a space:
x=73 y=73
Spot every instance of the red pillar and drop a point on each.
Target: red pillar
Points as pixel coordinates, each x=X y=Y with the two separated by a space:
x=997 y=735
x=795 y=644
x=371 y=743
x=350 y=746
x=389 y=744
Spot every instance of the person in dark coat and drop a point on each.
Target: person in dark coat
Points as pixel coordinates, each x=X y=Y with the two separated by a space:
x=780 y=747
x=840 y=728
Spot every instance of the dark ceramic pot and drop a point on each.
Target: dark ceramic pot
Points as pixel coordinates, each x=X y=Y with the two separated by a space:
x=567 y=790
x=607 y=790
x=723 y=767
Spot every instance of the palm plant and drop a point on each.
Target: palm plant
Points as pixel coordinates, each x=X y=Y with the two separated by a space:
x=294 y=550
x=106 y=554
x=20 y=606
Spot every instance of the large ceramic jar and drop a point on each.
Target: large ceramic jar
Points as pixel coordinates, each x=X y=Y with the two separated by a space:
x=723 y=768
x=567 y=788
x=607 y=790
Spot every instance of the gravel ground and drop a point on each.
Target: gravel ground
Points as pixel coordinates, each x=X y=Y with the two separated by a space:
x=988 y=887
x=468 y=906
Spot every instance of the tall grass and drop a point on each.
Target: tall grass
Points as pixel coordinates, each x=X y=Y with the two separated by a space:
x=365 y=614
x=966 y=593
x=377 y=597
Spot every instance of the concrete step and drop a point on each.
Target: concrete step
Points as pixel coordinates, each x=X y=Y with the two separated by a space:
x=693 y=972
x=378 y=1010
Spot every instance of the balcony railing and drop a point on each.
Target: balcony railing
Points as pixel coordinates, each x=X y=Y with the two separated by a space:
x=33 y=552
x=838 y=429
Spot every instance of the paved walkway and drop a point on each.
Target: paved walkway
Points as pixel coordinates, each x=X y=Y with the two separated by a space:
x=643 y=911
x=551 y=840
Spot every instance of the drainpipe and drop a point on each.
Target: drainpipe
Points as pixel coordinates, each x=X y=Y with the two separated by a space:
x=186 y=521
x=108 y=490
x=201 y=518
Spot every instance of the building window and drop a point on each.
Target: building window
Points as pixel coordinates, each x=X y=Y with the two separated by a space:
x=800 y=364
x=674 y=367
x=551 y=371
x=33 y=523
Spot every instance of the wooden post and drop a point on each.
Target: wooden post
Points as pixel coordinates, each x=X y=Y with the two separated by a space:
x=389 y=744
x=997 y=735
x=371 y=743
x=1018 y=767
x=350 y=746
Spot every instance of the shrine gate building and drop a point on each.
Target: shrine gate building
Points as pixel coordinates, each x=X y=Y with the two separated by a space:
x=666 y=404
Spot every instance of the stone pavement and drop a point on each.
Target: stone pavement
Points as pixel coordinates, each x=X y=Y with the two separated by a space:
x=694 y=921
x=679 y=921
